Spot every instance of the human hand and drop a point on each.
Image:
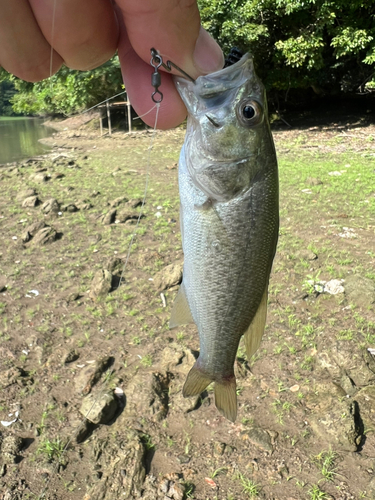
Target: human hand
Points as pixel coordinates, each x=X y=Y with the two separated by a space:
x=86 y=33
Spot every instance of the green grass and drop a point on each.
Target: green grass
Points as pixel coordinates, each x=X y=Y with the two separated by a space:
x=249 y=487
x=51 y=450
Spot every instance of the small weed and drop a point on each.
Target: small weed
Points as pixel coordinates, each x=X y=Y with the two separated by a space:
x=51 y=449
x=249 y=487
x=180 y=336
x=217 y=472
x=147 y=441
x=345 y=335
x=315 y=493
x=170 y=442
x=133 y=312
x=147 y=360
x=325 y=461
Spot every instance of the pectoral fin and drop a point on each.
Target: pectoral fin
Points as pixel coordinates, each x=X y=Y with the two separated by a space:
x=254 y=333
x=181 y=314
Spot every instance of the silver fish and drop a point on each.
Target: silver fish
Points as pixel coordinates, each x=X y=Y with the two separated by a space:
x=228 y=184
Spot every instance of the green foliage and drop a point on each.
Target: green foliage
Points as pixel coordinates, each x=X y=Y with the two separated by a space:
x=299 y=43
x=7 y=91
x=68 y=91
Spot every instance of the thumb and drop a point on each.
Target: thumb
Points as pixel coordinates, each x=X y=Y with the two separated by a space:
x=173 y=28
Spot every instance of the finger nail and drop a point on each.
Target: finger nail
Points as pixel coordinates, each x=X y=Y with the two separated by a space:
x=208 y=56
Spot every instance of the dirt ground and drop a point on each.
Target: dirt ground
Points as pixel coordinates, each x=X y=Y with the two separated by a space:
x=78 y=341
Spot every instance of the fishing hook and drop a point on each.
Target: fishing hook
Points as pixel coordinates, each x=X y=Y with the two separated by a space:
x=156 y=62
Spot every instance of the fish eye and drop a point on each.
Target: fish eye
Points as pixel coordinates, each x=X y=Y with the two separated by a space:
x=250 y=113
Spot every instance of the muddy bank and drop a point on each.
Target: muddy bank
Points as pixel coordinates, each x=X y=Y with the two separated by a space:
x=91 y=376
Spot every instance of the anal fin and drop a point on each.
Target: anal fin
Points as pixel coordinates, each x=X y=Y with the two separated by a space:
x=254 y=333
x=181 y=314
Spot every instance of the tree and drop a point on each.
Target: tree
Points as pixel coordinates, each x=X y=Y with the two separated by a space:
x=325 y=44
x=68 y=91
x=7 y=91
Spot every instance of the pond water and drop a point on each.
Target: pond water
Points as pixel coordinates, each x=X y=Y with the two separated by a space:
x=19 y=138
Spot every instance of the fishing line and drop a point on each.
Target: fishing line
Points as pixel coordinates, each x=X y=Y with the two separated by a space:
x=110 y=372
x=145 y=191
x=52 y=41
x=147 y=112
x=148 y=167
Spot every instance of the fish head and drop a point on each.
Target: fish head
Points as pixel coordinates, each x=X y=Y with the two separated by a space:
x=227 y=124
x=226 y=109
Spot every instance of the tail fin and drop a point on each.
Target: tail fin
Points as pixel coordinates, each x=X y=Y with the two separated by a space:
x=226 y=398
x=195 y=383
x=225 y=391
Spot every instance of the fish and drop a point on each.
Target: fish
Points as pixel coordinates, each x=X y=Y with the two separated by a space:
x=229 y=218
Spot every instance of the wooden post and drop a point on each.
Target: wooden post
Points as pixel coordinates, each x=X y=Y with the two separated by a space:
x=129 y=117
x=109 y=119
x=101 y=122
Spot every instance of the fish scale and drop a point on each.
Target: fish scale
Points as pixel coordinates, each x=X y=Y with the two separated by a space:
x=228 y=186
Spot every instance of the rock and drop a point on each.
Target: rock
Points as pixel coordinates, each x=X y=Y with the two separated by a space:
x=99 y=409
x=147 y=396
x=109 y=217
x=337 y=422
x=125 y=216
x=90 y=374
x=219 y=448
x=360 y=290
x=39 y=177
x=3 y=283
x=306 y=254
x=72 y=295
x=26 y=236
x=50 y=206
x=10 y=376
x=258 y=437
x=177 y=403
x=313 y=181
x=30 y=202
x=35 y=227
x=69 y=356
x=169 y=276
x=115 y=203
x=83 y=205
x=137 y=202
x=69 y=207
x=175 y=359
x=45 y=236
x=58 y=175
x=334 y=287
x=124 y=476
x=10 y=448
x=26 y=193
x=171 y=486
x=114 y=265
x=76 y=429
x=101 y=284
x=341 y=356
x=81 y=431
x=366 y=401
x=347 y=383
